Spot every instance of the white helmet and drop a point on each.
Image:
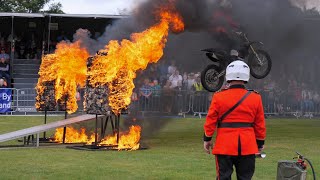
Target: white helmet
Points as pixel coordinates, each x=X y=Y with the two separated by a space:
x=238 y=71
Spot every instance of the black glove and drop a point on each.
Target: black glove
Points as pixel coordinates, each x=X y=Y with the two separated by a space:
x=260 y=143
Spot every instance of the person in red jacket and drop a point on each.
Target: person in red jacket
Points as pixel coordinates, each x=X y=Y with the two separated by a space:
x=241 y=132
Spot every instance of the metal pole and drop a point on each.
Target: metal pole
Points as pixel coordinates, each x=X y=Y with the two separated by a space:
x=45 y=122
x=43 y=37
x=65 y=117
x=105 y=126
x=38 y=135
x=118 y=128
x=96 y=132
x=12 y=46
x=102 y=127
x=49 y=34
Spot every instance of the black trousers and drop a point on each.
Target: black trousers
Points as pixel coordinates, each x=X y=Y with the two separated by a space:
x=244 y=165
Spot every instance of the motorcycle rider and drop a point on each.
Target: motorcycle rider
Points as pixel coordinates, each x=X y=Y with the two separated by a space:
x=224 y=24
x=236 y=114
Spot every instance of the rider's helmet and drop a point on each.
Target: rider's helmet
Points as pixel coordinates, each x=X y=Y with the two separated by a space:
x=238 y=71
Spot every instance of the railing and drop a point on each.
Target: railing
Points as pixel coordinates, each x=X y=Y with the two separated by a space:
x=26 y=100
x=179 y=102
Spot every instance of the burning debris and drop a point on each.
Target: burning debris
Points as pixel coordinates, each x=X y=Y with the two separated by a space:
x=127 y=140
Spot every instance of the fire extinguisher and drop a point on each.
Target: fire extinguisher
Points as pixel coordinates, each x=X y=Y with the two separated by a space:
x=302 y=164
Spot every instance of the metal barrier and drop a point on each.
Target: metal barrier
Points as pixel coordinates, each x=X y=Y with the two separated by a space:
x=26 y=100
x=165 y=101
x=278 y=106
x=181 y=102
x=201 y=102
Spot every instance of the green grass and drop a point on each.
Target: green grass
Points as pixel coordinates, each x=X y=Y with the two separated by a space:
x=176 y=152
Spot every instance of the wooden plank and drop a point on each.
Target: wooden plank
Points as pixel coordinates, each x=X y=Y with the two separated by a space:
x=45 y=127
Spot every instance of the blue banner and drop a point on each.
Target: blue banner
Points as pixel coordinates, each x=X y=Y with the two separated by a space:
x=5 y=100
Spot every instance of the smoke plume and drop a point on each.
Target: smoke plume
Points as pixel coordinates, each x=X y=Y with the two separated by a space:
x=288 y=29
x=284 y=27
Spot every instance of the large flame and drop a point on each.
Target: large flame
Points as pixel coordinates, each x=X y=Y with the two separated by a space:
x=67 y=67
x=128 y=141
x=118 y=68
x=72 y=135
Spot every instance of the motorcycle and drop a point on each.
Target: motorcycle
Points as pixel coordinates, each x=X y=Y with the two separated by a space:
x=259 y=61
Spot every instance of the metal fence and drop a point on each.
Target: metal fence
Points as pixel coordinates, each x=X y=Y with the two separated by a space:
x=26 y=100
x=179 y=102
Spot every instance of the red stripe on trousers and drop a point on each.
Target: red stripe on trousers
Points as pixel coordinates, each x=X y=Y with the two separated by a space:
x=217 y=168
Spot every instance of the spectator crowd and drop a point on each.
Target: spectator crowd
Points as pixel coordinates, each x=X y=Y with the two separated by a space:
x=166 y=84
x=26 y=46
x=169 y=85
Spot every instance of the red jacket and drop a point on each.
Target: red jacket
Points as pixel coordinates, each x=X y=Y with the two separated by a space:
x=236 y=140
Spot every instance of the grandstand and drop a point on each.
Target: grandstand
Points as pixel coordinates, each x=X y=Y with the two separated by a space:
x=31 y=35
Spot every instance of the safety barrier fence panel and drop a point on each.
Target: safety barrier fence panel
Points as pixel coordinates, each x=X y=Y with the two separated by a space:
x=26 y=99
x=163 y=101
x=289 y=105
x=284 y=105
x=183 y=102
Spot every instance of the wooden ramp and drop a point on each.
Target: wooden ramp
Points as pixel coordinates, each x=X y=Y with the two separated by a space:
x=45 y=127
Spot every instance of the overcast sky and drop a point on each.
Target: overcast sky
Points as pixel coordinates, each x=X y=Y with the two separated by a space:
x=96 y=6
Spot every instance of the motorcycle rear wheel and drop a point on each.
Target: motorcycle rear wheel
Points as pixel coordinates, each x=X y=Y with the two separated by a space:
x=259 y=70
x=209 y=79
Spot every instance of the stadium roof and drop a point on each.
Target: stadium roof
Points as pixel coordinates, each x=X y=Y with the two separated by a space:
x=87 y=15
x=41 y=15
x=31 y=15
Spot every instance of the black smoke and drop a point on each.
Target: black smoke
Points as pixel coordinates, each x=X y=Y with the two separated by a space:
x=285 y=29
x=290 y=34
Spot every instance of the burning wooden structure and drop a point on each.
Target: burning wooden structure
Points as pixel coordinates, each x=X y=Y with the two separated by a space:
x=96 y=98
x=109 y=75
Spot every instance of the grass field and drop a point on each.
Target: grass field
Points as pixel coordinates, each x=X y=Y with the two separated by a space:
x=174 y=153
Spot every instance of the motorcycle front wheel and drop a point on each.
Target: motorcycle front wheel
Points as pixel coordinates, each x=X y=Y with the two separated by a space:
x=259 y=68
x=210 y=80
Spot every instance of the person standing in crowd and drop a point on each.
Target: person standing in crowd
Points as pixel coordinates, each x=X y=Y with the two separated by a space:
x=238 y=117
x=4 y=69
x=172 y=68
x=145 y=93
x=191 y=80
x=32 y=47
x=197 y=86
x=4 y=55
x=163 y=70
x=156 y=88
x=175 y=80
x=3 y=83
x=4 y=45
x=167 y=94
